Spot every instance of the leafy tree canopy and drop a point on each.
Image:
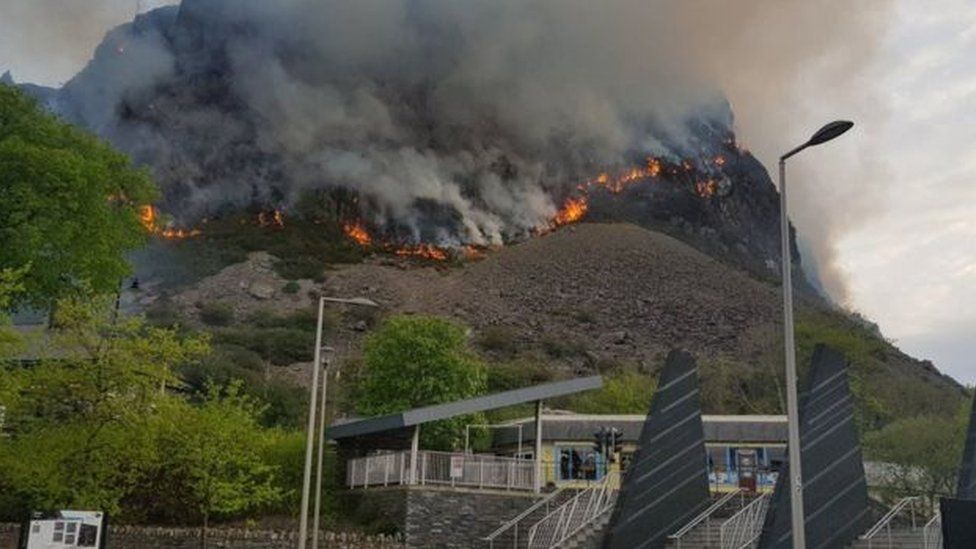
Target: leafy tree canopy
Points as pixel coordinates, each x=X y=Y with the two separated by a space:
x=69 y=204
x=919 y=455
x=416 y=361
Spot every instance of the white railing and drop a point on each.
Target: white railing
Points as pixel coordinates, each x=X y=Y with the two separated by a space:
x=743 y=528
x=704 y=517
x=517 y=525
x=441 y=468
x=574 y=515
x=885 y=522
x=932 y=533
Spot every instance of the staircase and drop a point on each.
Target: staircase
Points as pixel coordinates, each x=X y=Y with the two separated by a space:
x=897 y=538
x=590 y=537
x=900 y=528
x=514 y=534
x=580 y=521
x=705 y=530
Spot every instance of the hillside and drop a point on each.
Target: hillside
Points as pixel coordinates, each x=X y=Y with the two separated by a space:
x=601 y=297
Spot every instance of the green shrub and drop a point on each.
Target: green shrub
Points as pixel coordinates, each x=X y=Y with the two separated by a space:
x=280 y=346
x=291 y=287
x=563 y=347
x=298 y=267
x=498 y=339
x=216 y=313
x=518 y=373
x=628 y=392
x=163 y=314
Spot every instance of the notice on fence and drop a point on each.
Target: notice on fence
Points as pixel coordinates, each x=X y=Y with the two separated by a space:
x=457 y=466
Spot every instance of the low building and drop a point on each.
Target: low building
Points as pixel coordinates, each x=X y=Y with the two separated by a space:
x=570 y=452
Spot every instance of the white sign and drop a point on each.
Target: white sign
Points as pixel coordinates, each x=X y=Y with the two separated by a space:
x=457 y=466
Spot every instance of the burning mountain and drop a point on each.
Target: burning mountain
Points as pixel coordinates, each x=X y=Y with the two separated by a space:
x=450 y=125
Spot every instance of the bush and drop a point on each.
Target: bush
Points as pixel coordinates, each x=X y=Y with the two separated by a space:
x=628 y=392
x=498 y=339
x=517 y=374
x=163 y=314
x=563 y=347
x=291 y=287
x=216 y=313
x=281 y=346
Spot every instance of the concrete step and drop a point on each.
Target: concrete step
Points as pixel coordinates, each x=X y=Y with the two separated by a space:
x=590 y=537
x=898 y=539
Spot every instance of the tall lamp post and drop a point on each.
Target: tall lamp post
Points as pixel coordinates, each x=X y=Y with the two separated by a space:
x=310 y=436
x=824 y=134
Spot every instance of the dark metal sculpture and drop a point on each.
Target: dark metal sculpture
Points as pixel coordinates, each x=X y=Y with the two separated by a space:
x=966 y=488
x=667 y=483
x=835 y=492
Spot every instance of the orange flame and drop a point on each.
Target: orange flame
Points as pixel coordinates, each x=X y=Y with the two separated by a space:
x=148 y=217
x=271 y=219
x=357 y=232
x=707 y=188
x=425 y=251
x=572 y=211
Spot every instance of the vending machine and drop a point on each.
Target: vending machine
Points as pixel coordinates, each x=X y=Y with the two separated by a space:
x=748 y=468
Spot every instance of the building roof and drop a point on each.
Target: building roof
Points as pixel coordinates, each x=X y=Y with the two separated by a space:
x=580 y=427
x=417 y=416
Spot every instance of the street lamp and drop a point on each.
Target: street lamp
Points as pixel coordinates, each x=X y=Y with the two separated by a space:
x=824 y=134
x=309 y=442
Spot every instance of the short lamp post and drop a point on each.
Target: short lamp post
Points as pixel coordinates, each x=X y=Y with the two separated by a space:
x=310 y=437
x=824 y=134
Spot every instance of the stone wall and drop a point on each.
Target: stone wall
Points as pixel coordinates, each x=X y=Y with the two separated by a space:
x=142 y=537
x=458 y=519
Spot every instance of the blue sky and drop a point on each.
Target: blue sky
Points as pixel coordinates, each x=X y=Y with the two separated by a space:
x=899 y=191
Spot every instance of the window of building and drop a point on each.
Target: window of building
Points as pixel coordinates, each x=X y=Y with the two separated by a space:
x=579 y=463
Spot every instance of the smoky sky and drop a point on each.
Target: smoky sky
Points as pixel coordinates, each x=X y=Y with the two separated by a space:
x=411 y=101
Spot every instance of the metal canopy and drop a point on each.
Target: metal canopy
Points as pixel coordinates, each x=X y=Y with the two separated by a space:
x=436 y=412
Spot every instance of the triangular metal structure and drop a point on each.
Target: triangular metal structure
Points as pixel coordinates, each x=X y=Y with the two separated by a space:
x=666 y=485
x=966 y=489
x=835 y=492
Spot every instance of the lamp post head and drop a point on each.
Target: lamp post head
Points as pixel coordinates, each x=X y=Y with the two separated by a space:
x=830 y=131
x=824 y=134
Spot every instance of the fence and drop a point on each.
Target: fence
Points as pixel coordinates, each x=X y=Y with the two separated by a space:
x=576 y=514
x=442 y=468
x=744 y=527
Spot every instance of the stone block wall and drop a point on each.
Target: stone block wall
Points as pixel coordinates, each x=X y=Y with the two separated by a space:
x=456 y=519
x=143 y=537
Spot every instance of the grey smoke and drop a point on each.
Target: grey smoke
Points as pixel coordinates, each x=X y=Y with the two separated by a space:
x=418 y=101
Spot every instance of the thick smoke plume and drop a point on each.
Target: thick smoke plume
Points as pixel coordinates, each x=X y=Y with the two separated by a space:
x=483 y=112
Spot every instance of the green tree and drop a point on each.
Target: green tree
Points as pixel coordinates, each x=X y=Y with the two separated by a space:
x=70 y=204
x=919 y=455
x=627 y=392
x=417 y=361
x=213 y=455
x=79 y=423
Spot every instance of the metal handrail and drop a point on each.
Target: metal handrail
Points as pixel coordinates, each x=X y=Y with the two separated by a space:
x=442 y=468
x=571 y=517
x=742 y=528
x=513 y=523
x=932 y=532
x=885 y=521
x=705 y=515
